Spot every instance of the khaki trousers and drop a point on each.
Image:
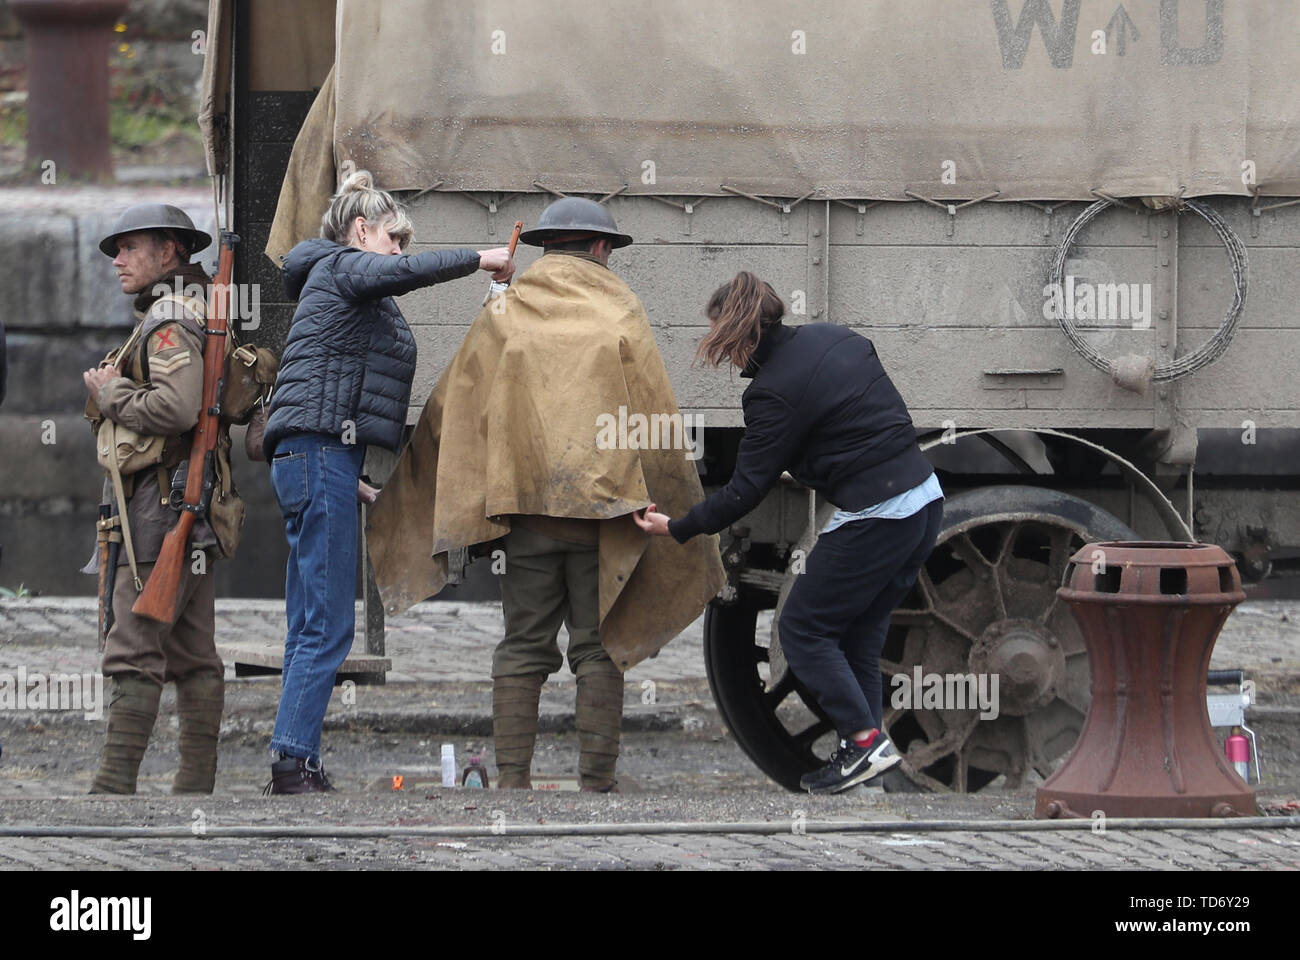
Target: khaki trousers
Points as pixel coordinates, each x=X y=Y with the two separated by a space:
x=156 y=650
x=548 y=581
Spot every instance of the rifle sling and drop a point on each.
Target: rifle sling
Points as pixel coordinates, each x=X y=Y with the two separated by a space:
x=116 y=476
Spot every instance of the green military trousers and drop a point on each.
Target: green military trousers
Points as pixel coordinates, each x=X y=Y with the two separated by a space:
x=548 y=581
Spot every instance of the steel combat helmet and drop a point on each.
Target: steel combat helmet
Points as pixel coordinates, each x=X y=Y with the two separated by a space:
x=155 y=216
x=571 y=218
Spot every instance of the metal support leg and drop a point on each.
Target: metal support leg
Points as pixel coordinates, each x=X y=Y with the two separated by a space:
x=379 y=465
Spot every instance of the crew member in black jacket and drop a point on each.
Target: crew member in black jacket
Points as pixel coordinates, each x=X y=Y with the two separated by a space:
x=822 y=407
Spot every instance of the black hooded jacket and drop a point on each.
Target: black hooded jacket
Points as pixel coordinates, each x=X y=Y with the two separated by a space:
x=350 y=355
x=822 y=407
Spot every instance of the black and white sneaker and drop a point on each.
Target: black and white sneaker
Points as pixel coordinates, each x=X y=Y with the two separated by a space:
x=851 y=765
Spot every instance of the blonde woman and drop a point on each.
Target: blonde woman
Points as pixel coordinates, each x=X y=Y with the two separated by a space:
x=821 y=406
x=344 y=383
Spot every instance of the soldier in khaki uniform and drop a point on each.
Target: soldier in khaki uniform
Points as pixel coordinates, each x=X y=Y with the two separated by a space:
x=155 y=387
x=509 y=454
x=552 y=576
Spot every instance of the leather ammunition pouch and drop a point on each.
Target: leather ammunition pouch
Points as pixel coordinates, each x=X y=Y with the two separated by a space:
x=226 y=512
x=250 y=376
x=130 y=451
x=117 y=447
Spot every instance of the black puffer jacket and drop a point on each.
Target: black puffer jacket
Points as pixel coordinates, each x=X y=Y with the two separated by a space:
x=822 y=407
x=350 y=354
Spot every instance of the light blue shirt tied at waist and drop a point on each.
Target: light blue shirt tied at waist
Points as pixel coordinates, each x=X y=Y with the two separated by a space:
x=895 y=508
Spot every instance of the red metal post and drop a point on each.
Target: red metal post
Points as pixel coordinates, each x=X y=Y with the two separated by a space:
x=1150 y=613
x=67 y=83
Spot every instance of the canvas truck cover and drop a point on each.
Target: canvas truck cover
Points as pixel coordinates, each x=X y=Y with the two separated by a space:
x=1034 y=99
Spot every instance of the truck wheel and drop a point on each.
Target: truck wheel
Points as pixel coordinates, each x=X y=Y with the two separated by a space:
x=984 y=604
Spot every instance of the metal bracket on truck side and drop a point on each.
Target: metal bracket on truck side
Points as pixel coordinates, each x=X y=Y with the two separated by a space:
x=861 y=206
x=950 y=206
x=1166 y=323
x=734 y=556
x=818 y=264
x=687 y=208
x=785 y=207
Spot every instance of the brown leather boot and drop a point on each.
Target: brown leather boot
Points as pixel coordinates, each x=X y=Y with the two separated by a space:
x=200 y=701
x=599 y=716
x=514 y=728
x=132 y=710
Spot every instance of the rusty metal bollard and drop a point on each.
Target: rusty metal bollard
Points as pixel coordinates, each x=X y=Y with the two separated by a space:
x=67 y=83
x=1150 y=613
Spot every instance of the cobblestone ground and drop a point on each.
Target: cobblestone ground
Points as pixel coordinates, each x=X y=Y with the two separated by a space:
x=454 y=641
x=435 y=641
x=898 y=847
x=679 y=764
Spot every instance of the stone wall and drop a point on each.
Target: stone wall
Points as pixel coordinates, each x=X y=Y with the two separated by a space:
x=63 y=311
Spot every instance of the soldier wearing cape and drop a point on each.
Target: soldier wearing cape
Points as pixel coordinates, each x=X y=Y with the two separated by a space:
x=510 y=451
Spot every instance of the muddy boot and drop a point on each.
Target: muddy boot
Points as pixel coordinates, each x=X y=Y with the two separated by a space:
x=514 y=728
x=599 y=718
x=297 y=775
x=132 y=710
x=199 y=703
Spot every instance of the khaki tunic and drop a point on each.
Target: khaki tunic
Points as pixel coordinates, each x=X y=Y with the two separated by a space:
x=165 y=403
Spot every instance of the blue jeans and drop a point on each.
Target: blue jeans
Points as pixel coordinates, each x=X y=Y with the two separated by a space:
x=315 y=481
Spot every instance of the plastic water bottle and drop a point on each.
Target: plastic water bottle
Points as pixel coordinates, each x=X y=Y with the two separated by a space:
x=449 y=765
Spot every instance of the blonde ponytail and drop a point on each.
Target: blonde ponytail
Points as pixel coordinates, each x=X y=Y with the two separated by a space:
x=358 y=197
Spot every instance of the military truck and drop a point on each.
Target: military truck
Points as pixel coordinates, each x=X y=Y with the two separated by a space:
x=1068 y=227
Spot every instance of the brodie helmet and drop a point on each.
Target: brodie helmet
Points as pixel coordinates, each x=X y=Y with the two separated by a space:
x=571 y=218
x=154 y=216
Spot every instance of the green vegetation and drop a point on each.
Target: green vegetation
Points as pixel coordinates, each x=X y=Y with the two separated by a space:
x=13 y=126
x=131 y=129
x=150 y=108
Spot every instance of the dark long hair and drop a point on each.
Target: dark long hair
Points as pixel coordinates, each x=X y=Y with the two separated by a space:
x=738 y=312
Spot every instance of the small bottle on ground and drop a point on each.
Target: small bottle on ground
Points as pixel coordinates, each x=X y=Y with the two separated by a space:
x=449 y=765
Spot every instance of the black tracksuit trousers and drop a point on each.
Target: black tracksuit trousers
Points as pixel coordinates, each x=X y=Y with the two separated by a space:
x=835 y=618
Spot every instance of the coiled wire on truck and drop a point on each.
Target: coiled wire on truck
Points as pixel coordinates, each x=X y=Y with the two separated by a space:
x=1207 y=352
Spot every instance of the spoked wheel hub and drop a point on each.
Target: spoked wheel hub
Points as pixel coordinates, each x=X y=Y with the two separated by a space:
x=1001 y=666
x=1028 y=660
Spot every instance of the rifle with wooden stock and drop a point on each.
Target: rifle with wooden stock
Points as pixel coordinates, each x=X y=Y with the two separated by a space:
x=157 y=600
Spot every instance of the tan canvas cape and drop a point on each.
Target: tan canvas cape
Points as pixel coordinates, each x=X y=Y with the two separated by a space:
x=512 y=428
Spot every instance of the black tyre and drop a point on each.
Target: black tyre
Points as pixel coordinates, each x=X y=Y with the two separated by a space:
x=988 y=587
